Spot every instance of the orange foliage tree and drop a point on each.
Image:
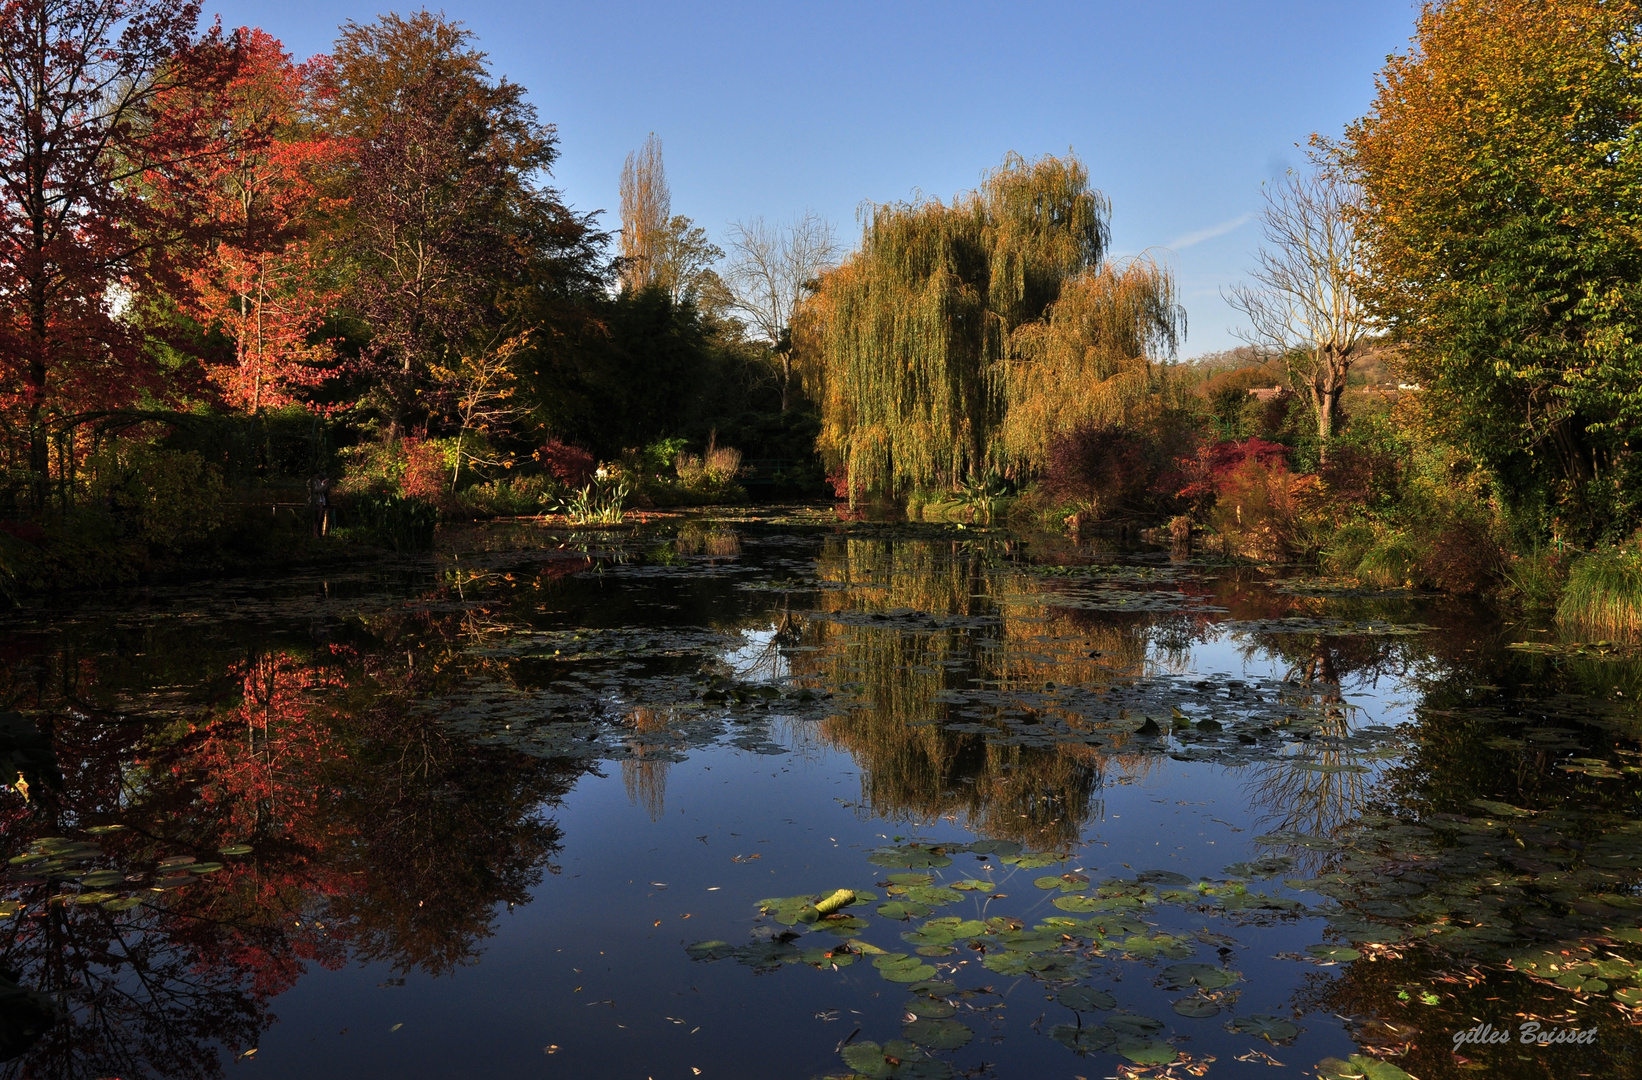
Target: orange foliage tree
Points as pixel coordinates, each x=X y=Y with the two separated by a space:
x=259 y=276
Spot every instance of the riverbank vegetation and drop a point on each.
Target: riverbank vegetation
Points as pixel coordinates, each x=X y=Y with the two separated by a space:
x=256 y=299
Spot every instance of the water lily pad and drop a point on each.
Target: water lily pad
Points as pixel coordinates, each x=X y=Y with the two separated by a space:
x=102 y=877
x=913 y=856
x=710 y=950
x=1087 y=999
x=235 y=849
x=938 y=1034
x=1034 y=860
x=1133 y=1025
x=1273 y=1029
x=1333 y=953
x=1147 y=1051
x=911 y=879
x=122 y=904
x=930 y=1008
x=903 y=909
x=901 y=968
x=1207 y=976
x=173 y=861
x=1359 y=1068
x=1083 y=1039
x=205 y=868
x=895 y=1060
x=1197 y=1008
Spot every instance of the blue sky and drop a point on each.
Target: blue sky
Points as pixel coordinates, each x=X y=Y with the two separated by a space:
x=1180 y=109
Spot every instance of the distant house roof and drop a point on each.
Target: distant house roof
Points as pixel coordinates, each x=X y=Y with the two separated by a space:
x=1262 y=394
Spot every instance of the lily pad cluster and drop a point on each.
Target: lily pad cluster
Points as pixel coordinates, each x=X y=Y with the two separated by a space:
x=1103 y=924
x=62 y=870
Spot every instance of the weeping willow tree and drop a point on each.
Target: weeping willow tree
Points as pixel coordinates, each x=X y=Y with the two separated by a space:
x=911 y=344
x=1088 y=362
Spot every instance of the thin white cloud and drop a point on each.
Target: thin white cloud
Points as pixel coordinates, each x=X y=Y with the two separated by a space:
x=1181 y=243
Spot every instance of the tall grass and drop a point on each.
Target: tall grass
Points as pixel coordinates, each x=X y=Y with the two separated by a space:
x=1604 y=592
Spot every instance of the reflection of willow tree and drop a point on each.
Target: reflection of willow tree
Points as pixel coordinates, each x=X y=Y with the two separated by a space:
x=912 y=766
x=372 y=835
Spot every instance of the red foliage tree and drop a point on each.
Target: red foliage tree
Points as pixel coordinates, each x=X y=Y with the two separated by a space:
x=258 y=276
x=78 y=85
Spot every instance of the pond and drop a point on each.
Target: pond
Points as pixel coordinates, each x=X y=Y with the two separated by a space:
x=779 y=796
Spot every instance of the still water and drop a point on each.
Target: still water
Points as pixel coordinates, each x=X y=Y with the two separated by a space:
x=778 y=797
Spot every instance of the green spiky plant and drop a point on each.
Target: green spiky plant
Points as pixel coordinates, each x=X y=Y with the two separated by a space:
x=1604 y=592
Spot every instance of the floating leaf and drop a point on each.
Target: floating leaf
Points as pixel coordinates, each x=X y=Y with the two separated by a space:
x=902 y=909
x=1207 y=976
x=938 y=1034
x=235 y=849
x=1087 y=999
x=1359 y=1068
x=710 y=950
x=1147 y=1052
x=1333 y=953
x=102 y=877
x=911 y=879
x=1273 y=1029
x=1196 y=1007
x=123 y=904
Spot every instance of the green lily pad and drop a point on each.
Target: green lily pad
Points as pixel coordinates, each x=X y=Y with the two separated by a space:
x=1083 y=1039
x=235 y=849
x=1035 y=860
x=123 y=904
x=1087 y=999
x=903 y=909
x=1196 y=1007
x=1333 y=953
x=1146 y=1052
x=912 y=856
x=1079 y=903
x=1273 y=1029
x=930 y=1008
x=710 y=950
x=911 y=879
x=1134 y=1026
x=205 y=868
x=895 y=1060
x=938 y=1034
x=1207 y=976
x=102 y=877
x=901 y=968
x=1359 y=1068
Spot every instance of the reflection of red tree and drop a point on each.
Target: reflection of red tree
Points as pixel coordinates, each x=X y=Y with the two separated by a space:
x=373 y=838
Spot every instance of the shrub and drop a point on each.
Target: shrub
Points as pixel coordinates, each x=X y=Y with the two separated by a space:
x=511 y=496
x=168 y=500
x=425 y=473
x=1604 y=593
x=569 y=465
x=1257 y=508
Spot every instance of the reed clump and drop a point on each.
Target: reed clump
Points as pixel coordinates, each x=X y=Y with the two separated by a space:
x=1604 y=592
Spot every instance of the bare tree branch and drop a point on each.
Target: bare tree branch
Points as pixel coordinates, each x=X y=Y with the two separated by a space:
x=771 y=267
x=1304 y=303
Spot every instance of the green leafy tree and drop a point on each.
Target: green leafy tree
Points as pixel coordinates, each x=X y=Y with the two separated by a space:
x=1501 y=178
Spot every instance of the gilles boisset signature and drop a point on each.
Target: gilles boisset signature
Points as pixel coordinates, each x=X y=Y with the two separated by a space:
x=1530 y=1033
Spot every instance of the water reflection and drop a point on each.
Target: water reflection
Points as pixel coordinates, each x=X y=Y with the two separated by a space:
x=390 y=765
x=366 y=833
